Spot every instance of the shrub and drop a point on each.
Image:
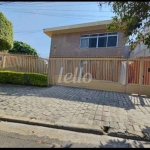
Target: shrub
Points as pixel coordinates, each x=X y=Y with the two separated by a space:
x=23 y=78
x=22 y=48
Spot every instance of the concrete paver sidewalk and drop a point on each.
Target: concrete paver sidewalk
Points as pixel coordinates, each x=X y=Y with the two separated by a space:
x=118 y=114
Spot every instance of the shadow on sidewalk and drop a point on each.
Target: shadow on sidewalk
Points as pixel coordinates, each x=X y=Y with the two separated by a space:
x=106 y=98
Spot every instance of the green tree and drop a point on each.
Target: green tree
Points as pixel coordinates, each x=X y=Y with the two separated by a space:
x=131 y=17
x=22 y=48
x=6 y=33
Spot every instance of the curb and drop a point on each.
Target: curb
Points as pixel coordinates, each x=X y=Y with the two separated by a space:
x=68 y=126
x=56 y=125
x=127 y=135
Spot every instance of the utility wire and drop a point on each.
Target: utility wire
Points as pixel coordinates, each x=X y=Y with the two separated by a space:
x=46 y=3
x=28 y=31
x=59 y=14
x=3 y=3
x=80 y=17
x=12 y=8
x=35 y=31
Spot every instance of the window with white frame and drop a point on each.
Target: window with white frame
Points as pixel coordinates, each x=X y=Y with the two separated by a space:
x=99 y=40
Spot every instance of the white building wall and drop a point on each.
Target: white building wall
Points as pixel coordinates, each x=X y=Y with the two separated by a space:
x=141 y=50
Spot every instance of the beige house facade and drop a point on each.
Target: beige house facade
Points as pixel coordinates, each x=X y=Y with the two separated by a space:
x=86 y=40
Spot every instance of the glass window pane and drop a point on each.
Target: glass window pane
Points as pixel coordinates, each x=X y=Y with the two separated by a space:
x=92 y=42
x=102 y=41
x=84 y=35
x=115 y=33
x=105 y=34
x=93 y=34
x=112 y=41
x=84 y=43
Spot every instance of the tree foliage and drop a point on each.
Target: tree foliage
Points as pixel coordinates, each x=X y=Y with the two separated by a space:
x=6 y=33
x=22 y=48
x=132 y=18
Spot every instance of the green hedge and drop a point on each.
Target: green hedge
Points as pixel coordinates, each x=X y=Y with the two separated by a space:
x=23 y=78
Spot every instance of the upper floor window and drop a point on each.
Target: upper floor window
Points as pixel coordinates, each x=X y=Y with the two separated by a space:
x=99 y=40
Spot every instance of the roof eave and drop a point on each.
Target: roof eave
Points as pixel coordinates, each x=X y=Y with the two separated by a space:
x=75 y=30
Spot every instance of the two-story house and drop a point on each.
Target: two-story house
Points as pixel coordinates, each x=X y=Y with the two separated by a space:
x=86 y=40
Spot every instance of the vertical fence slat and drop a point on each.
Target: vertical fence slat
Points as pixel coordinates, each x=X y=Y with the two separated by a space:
x=141 y=74
x=4 y=61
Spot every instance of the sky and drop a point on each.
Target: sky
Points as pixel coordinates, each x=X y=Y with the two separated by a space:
x=30 y=18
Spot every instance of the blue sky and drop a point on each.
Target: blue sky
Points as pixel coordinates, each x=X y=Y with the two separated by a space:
x=29 y=19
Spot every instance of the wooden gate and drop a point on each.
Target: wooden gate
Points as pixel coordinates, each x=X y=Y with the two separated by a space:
x=110 y=74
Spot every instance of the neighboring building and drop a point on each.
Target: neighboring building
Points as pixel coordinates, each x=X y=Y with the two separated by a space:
x=141 y=50
x=86 y=40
